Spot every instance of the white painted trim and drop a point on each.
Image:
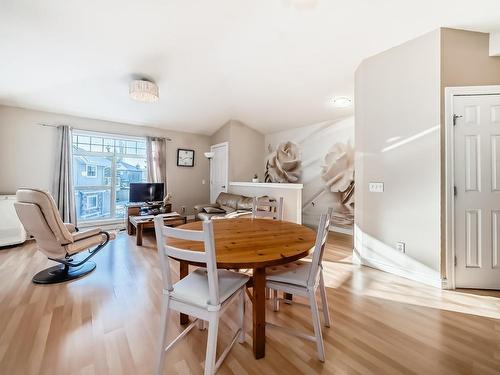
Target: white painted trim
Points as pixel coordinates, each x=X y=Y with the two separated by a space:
x=406 y=273
x=96 y=133
x=268 y=185
x=494 y=44
x=212 y=147
x=450 y=93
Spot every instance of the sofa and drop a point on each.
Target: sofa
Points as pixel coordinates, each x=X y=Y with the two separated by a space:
x=226 y=205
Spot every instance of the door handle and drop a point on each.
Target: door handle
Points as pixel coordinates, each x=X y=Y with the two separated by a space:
x=223 y=186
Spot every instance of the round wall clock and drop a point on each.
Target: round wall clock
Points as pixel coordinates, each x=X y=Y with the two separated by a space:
x=185 y=158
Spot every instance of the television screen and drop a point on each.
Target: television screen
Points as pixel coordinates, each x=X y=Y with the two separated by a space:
x=146 y=192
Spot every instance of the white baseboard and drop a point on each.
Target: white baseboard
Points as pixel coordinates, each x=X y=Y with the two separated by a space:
x=446 y=285
x=427 y=279
x=348 y=231
x=191 y=217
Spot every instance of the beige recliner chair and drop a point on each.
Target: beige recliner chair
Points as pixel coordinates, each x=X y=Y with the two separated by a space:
x=59 y=241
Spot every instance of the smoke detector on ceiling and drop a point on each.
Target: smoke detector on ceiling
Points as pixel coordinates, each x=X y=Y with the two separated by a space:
x=144 y=91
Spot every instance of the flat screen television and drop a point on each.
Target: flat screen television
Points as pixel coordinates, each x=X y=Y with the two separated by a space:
x=146 y=192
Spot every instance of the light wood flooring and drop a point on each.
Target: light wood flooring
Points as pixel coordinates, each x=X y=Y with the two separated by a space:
x=107 y=322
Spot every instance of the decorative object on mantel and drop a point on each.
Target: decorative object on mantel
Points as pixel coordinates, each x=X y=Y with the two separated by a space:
x=185 y=157
x=283 y=164
x=255 y=178
x=143 y=90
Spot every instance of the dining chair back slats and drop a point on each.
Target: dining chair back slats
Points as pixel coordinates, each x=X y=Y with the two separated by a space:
x=319 y=247
x=183 y=234
x=206 y=257
x=274 y=208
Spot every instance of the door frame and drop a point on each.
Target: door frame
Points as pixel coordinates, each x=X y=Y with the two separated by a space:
x=226 y=144
x=450 y=93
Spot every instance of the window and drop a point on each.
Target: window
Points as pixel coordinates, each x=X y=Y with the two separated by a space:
x=91 y=171
x=92 y=201
x=104 y=165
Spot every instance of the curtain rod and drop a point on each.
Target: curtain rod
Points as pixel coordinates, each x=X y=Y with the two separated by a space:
x=96 y=131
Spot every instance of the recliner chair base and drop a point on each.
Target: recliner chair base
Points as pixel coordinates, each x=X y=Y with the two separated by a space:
x=61 y=273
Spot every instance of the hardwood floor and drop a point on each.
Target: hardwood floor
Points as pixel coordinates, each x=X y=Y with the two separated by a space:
x=107 y=322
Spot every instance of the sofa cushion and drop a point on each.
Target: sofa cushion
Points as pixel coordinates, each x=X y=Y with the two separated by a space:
x=214 y=210
x=228 y=209
x=206 y=216
x=245 y=203
x=229 y=200
x=200 y=207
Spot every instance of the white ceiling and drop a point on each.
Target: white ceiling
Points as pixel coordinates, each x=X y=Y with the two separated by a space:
x=273 y=64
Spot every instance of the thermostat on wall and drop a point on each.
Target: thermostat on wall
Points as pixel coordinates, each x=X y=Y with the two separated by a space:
x=376 y=187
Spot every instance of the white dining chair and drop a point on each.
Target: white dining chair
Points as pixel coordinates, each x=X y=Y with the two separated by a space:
x=303 y=278
x=262 y=208
x=203 y=294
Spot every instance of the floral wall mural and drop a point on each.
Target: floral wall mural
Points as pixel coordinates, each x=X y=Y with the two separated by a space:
x=283 y=164
x=321 y=157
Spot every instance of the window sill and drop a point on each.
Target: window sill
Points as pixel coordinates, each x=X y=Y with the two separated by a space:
x=108 y=224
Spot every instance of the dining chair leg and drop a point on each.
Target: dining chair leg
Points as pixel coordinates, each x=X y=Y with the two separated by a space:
x=213 y=326
x=324 y=301
x=200 y=324
x=241 y=339
x=163 y=335
x=317 y=326
x=276 y=302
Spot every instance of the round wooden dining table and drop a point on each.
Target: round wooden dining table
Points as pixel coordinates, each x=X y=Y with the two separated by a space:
x=247 y=243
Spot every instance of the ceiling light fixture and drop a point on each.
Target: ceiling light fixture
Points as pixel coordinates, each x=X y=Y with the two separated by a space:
x=342 y=102
x=144 y=91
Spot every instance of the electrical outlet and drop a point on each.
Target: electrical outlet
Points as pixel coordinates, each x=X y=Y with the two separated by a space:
x=376 y=187
x=401 y=247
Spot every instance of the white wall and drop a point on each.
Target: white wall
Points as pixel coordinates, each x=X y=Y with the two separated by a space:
x=27 y=155
x=314 y=142
x=291 y=194
x=398 y=142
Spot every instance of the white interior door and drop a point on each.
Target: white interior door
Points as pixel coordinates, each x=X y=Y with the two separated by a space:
x=477 y=182
x=219 y=170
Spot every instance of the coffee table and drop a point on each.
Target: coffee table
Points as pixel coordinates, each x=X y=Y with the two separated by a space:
x=139 y=223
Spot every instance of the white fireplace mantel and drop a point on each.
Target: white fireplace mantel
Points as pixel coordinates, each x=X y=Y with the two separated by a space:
x=268 y=185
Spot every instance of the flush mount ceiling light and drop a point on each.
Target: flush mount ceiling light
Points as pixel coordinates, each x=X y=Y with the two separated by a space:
x=144 y=91
x=342 y=102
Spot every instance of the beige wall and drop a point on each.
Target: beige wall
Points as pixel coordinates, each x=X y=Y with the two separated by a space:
x=401 y=91
x=28 y=153
x=245 y=150
x=465 y=61
x=397 y=118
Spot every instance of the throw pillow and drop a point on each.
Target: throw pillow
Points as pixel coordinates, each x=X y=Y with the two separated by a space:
x=214 y=210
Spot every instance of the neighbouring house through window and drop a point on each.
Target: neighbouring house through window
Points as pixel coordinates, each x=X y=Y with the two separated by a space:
x=104 y=165
x=92 y=201
x=91 y=171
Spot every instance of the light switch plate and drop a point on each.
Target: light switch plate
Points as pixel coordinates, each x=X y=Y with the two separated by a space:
x=376 y=187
